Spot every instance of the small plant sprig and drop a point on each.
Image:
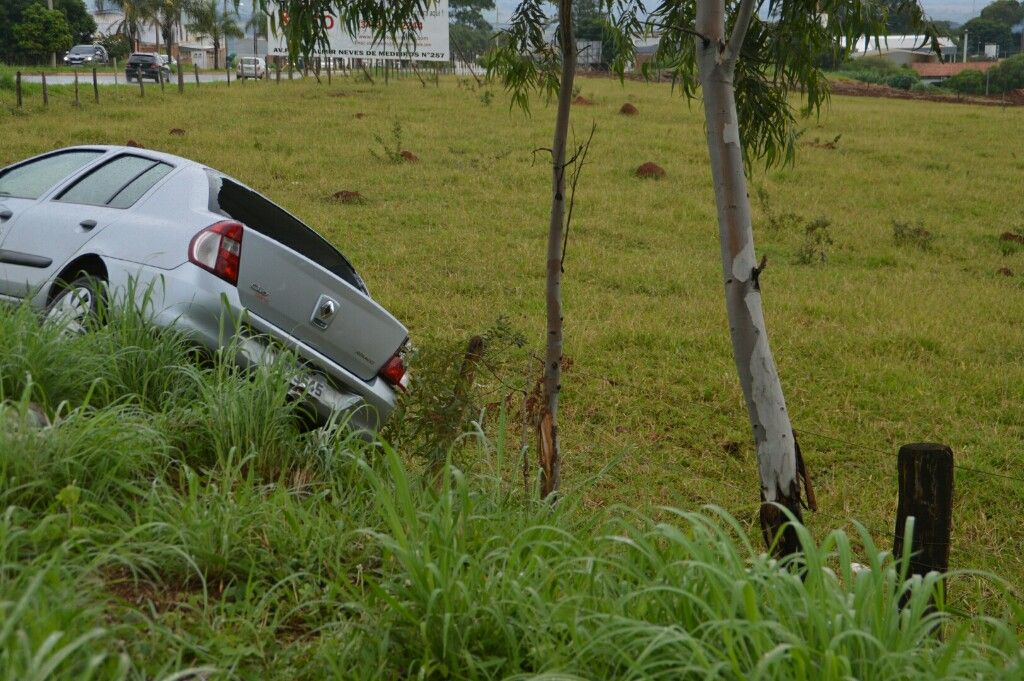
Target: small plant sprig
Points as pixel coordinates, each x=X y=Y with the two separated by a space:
x=390 y=149
x=817 y=240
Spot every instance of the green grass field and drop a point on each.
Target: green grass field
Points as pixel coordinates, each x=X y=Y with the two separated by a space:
x=882 y=344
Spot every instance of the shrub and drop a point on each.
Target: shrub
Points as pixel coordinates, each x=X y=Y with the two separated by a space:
x=903 y=80
x=966 y=83
x=907 y=234
x=1008 y=74
x=390 y=149
x=817 y=239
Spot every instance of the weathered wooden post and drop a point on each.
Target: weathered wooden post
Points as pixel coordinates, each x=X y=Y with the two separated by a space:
x=289 y=69
x=17 y=87
x=926 y=494
x=78 y=102
x=46 y=94
x=195 y=69
x=142 y=86
x=161 y=76
x=227 y=74
x=115 y=70
x=95 y=86
x=277 y=69
x=181 y=78
x=329 y=70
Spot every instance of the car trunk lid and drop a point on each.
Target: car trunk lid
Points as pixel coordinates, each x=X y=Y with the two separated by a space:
x=294 y=279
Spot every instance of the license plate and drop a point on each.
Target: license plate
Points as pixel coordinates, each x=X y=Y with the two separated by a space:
x=312 y=385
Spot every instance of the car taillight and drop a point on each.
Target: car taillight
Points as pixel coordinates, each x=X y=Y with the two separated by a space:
x=394 y=372
x=218 y=249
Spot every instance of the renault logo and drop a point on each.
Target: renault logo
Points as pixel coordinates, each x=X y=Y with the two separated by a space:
x=324 y=312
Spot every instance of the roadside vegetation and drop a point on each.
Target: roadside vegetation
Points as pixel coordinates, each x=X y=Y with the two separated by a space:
x=166 y=516
x=175 y=515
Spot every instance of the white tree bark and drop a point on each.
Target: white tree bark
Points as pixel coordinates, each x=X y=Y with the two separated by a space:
x=759 y=378
x=548 y=446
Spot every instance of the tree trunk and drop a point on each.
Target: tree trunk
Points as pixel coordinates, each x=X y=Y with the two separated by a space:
x=759 y=378
x=548 y=446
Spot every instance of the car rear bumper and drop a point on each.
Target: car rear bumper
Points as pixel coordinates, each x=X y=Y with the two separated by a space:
x=208 y=310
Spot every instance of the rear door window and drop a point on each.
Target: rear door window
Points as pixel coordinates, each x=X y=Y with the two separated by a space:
x=31 y=180
x=232 y=200
x=118 y=183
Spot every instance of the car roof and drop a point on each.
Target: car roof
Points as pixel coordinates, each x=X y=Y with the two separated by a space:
x=110 y=149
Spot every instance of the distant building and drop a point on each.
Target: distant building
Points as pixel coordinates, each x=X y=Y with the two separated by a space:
x=110 y=22
x=904 y=49
x=934 y=73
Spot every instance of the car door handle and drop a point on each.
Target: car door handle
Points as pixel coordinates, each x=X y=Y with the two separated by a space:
x=6 y=214
x=87 y=224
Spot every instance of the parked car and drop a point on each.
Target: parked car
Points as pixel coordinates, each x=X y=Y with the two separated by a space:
x=145 y=65
x=91 y=55
x=218 y=261
x=169 y=62
x=251 y=67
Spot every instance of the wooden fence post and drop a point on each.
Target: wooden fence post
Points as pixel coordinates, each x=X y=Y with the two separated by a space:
x=227 y=74
x=17 y=87
x=925 y=493
x=95 y=86
x=161 y=76
x=195 y=68
x=277 y=70
x=329 y=70
x=181 y=78
x=115 y=70
x=46 y=95
x=78 y=102
x=142 y=86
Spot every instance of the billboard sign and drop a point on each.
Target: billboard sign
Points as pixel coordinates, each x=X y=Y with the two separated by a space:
x=431 y=44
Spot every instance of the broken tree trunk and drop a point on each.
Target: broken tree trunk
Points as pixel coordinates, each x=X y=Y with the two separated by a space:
x=547 y=440
x=776 y=450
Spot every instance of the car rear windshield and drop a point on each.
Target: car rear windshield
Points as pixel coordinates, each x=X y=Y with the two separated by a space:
x=142 y=59
x=31 y=180
x=119 y=183
x=82 y=49
x=234 y=201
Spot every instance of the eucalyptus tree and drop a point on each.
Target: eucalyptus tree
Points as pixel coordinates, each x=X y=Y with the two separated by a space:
x=756 y=66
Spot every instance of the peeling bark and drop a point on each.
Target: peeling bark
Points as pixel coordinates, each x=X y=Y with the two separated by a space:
x=777 y=453
x=548 y=448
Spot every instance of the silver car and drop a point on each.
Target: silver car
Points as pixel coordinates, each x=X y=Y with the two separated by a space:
x=217 y=260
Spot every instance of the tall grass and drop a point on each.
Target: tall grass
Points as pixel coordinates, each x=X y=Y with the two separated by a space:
x=173 y=520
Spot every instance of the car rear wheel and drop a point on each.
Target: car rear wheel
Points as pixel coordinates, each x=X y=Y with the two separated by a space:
x=77 y=305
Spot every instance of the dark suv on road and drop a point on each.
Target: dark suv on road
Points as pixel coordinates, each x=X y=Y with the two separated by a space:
x=146 y=65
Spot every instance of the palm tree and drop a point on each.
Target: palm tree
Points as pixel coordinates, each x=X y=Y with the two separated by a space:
x=135 y=12
x=258 y=23
x=208 y=21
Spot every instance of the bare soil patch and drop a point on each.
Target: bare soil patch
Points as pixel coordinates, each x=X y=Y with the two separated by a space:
x=180 y=132
x=855 y=88
x=628 y=109
x=410 y=157
x=1012 y=236
x=582 y=101
x=347 y=196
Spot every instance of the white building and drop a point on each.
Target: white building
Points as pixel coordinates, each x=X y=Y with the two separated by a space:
x=904 y=49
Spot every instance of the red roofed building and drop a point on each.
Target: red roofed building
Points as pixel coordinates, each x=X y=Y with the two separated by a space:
x=935 y=73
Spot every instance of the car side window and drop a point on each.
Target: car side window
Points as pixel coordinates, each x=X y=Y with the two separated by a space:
x=31 y=180
x=118 y=183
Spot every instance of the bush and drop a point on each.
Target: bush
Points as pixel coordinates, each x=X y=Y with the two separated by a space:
x=1008 y=74
x=817 y=240
x=907 y=234
x=878 y=65
x=904 y=80
x=966 y=83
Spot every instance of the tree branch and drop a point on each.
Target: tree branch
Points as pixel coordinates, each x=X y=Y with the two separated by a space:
x=681 y=29
x=739 y=28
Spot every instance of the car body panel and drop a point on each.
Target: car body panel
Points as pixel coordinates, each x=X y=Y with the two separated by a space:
x=292 y=293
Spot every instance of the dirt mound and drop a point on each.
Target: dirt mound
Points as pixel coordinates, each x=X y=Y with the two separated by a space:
x=1005 y=271
x=650 y=170
x=346 y=196
x=133 y=143
x=582 y=101
x=360 y=115
x=629 y=110
x=177 y=131
x=1012 y=236
x=409 y=156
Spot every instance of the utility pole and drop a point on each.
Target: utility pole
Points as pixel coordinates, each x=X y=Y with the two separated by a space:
x=53 y=55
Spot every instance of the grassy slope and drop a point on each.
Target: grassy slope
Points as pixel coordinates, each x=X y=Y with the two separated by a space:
x=880 y=346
